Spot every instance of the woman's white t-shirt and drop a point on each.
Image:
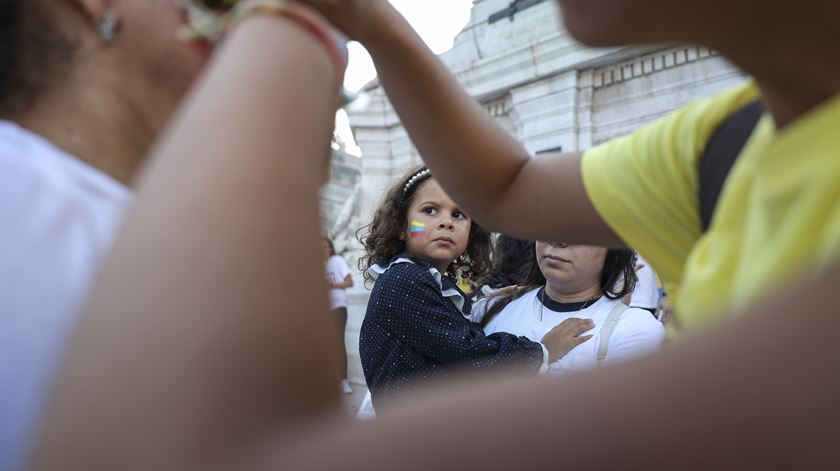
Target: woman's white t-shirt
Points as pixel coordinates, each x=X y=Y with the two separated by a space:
x=637 y=332
x=58 y=217
x=337 y=271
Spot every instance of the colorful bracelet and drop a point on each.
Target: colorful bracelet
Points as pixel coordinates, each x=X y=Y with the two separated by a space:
x=208 y=26
x=333 y=42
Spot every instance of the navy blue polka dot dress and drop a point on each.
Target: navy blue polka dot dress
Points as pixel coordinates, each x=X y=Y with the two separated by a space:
x=417 y=329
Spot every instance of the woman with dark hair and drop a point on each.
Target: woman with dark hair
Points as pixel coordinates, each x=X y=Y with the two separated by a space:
x=86 y=87
x=577 y=288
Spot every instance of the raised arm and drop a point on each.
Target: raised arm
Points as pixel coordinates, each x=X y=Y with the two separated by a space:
x=344 y=284
x=194 y=342
x=475 y=160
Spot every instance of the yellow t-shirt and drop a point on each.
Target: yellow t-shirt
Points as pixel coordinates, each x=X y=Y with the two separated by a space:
x=777 y=218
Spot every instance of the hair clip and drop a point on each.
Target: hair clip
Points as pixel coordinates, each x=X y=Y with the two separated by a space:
x=422 y=174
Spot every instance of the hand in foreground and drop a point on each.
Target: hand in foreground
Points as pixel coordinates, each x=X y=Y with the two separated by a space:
x=564 y=337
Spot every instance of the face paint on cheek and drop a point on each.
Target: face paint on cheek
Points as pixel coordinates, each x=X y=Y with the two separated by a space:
x=417 y=229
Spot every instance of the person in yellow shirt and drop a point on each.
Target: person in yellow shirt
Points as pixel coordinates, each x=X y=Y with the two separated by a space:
x=775 y=221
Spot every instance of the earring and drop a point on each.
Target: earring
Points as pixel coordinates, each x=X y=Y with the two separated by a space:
x=108 y=25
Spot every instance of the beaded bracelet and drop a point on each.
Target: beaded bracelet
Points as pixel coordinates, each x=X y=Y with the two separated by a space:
x=311 y=20
x=210 y=26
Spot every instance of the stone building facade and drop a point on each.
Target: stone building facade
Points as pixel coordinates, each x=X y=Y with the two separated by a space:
x=540 y=85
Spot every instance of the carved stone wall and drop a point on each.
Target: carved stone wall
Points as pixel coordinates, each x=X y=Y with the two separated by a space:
x=339 y=198
x=541 y=86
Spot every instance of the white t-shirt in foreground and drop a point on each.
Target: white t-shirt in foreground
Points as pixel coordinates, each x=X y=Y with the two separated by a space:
x=637 y=332
x=58 y=217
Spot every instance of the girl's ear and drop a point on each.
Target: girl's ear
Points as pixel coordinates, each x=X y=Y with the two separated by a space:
x=402 y=229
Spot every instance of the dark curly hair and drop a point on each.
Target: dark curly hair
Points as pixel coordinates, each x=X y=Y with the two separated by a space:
x=618 y=279
x=381 y=238
x=512 y=262
x=35 y=54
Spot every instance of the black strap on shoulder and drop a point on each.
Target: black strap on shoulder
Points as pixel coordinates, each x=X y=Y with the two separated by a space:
x=721 y=151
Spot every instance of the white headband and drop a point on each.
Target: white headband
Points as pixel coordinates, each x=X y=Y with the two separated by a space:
x=415 y=178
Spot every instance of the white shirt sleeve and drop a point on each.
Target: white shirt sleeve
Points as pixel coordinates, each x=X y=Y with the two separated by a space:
x=638 y=333
x=342 y=268
x=563 y=366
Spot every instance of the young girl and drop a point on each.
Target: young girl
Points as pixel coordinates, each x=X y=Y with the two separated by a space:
x=572 y=283
x=417 y=322
x=338 y=279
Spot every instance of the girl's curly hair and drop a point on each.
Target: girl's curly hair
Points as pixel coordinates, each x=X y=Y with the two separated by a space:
x=381 y=238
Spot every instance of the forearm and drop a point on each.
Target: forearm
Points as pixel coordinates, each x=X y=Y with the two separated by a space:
x=479 y=164
x=442 y=120
x=185 y=349
x=504 y=351
x=347 y=283
x=449 y=342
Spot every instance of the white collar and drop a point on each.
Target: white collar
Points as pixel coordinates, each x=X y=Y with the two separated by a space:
x=42 y=153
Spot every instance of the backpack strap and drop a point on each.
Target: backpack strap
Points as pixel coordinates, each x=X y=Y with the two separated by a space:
x=720 y=154
x=608 y=327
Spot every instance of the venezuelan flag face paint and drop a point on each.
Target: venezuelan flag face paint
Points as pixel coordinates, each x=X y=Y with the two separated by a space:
x=417 y=229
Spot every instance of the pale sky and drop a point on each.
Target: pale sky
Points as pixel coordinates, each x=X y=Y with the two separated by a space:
x=437 y=22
